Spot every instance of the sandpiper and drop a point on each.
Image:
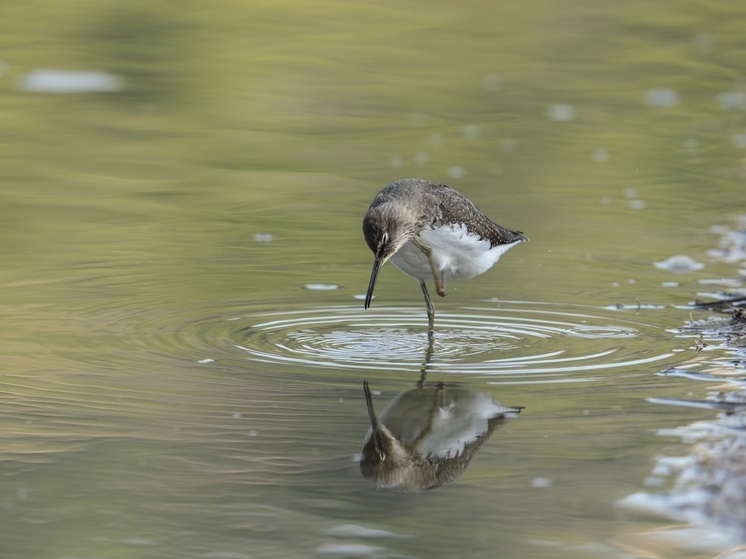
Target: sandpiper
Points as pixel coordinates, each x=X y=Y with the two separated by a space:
x=430 y=231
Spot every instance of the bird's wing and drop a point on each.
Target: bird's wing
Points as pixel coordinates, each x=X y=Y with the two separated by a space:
x=455 y=208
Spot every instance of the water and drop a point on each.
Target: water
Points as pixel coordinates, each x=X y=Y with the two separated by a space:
x=179 y=378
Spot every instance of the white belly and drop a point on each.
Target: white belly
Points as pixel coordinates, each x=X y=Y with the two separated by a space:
x=456 y=253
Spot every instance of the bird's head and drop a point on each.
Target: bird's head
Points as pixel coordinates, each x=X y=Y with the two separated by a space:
x=386 y=230
x=384 y=460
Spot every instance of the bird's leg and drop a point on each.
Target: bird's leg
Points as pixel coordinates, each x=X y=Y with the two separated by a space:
x=442 y=395
x=439 y=278
x=430 y=310
x=428 y=357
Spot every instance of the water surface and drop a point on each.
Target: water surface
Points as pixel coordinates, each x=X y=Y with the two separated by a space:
x=172 y=386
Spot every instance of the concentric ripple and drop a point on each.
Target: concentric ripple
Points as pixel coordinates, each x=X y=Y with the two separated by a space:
x=507 y=340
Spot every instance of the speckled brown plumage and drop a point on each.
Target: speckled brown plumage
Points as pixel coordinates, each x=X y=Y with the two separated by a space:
x=435 y=205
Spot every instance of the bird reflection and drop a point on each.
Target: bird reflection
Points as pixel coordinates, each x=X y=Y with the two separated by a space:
x=427 y=436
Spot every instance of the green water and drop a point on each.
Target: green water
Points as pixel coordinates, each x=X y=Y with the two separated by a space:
x=128 y=227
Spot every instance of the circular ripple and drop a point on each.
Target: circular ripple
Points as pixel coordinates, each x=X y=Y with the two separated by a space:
x=507 y=340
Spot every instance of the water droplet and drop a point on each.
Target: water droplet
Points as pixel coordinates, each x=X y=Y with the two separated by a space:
x=739 y=141
x=492 y=82
x=600 y=154
x=731 y=100
x=637 y=204
x=471 y=131
x=264 y=237
x=690 y=145
x=703 y=43
x=436 y=140
x=396 y=161
x=456 y=172
x=561 y=112
x=661 y=98
x=321 y=286
x=679 y=264
x=421 y=158
x=419 y=119
x=66 y=81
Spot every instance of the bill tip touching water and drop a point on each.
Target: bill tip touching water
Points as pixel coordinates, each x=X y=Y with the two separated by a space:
x=431 y=232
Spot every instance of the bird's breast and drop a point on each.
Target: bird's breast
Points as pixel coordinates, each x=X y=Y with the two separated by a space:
x=455 y=252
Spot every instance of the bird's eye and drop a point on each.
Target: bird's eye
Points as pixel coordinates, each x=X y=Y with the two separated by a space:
x=381 y=455
x=384 y=238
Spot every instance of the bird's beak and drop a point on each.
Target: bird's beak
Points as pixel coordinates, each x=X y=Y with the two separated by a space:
x=373 y=275
x=369 y=403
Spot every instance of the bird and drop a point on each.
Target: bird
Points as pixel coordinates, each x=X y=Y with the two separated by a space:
x=427 y=436
x=430 y=231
